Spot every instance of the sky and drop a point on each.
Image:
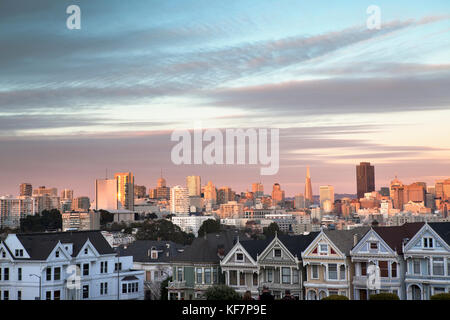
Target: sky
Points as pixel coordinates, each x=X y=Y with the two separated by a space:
x=77 y=105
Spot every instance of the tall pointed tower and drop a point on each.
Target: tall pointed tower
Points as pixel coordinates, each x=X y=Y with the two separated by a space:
x=308 y=188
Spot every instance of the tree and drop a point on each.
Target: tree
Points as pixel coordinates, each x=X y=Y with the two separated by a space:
x=47 y=220
x=164 y=291
x=163 y=230
x=106 y=217
x=209 y=226
x=440 y=296
x=271 y=230
x=152 y=216
x=221 y=292
x=335 y=297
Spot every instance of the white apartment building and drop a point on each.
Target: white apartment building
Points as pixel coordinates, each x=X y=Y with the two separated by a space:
x=179 y=200
x=80 y=221
x=66 y=266
x=190 y=224
x=12 y=209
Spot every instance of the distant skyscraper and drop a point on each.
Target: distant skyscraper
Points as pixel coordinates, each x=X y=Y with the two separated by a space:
x=26 y=189
x=326 y=198
x=193 y=184
x=179 y=200
x=106 y=194
x=397 y=193
x=258 y=189
x=299 y=201
x=125 y=182
x=81 y=204
x=365 y=179
x=277 y=194
x=67 y=194
x=140 y=191
x=42 y=190
x=210 y=193
x=161 y=191
x=225 y=194
x=308 y=189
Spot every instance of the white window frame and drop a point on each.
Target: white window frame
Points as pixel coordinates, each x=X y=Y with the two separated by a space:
x=322 y=252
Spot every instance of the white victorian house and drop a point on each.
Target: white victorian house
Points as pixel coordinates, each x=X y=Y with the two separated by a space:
x=66 y=266
x=427 y=257
x=378 y=261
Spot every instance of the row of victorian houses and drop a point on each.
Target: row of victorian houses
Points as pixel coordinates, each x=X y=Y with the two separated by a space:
x=411 y=261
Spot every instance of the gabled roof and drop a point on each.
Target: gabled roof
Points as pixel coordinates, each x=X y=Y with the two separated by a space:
x=140 y=250
x=255 y=247
x=394 y=236
x=205 y=249
x=344 y=239
x=40 y=245
x=442 y=229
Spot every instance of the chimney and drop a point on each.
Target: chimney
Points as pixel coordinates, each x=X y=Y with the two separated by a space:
x=355 y=239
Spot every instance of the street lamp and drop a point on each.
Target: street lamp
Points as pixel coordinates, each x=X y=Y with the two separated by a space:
x=40 y=281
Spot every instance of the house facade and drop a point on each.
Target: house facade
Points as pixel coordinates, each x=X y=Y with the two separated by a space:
x=66 y=266
x=378 y=261
x=427 y=257
x=327 y=261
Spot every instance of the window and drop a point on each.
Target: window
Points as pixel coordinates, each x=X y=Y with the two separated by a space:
x=104 y=267
x=384 y=272
x=277 y=253
x=199 y=273
x=416 y=266
x=363 y=268
x=342 y=272
x=428 y=242
x=103 y=288
x=19 y=252
x=6 y=295
x=19 y=295
x=208 y=275
x=323 y=249
x=215 y=276
x=448 y=266
x=269 y=275
x=86 y=251
x=233 y=277
x=255 y=279
x=118 y=266
x=438 y=266
x=48 y=295
x=332 y=271
x=124 y=288
x=314 y=271
x=85 y=269
x=438 y=290
x=295 y=276
x=57 y=254
x=394 y=270
x=57 y=295
x=239 y=257
x=180 y=274
x=241 y=279
x=286 y=275
x=0 y=274
x=373 y=246
x=48 y=274
x=19 y=274
x=6 y=274
x=333 y=292
x=57 y=273
x=3 y=254
x=154 y=254
x=86 y=292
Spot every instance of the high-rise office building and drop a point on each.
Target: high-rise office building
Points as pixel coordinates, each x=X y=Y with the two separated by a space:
x=446 y=189
x=26 y=190
x=439 y=189
x=257 y=189
x=106 y=194
x=416 y=192
x=42 y=190
x=193 y=184
x=161 y=191
x=326 y=194
x=210 y=193
x=397 y=193
x=66 y=194
x=81 y=204
x=125 y=181
x=179 y=200
x=308 y=189
x=277 y=194
x=225 y=194
x=365 y=179
x=299 y=201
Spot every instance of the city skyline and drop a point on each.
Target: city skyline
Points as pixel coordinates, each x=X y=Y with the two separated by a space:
x=75 y=102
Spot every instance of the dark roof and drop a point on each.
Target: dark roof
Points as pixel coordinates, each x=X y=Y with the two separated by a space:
x=140 y=250
x=129 y=278
x=205 y=249
x=442 y=229
x=394 y=236
x=40 y=245
x=295 y=244
x=344 y=239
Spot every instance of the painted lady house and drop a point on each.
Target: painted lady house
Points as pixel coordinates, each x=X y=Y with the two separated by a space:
x=427 y=257
x=328 y=264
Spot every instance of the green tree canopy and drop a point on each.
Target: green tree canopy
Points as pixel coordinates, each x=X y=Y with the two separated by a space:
x=384 y=296
x=164 y=292
x=209 y=226
x=47 y=220
x=271 y=230
x=221 y=292
x=163 y=230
